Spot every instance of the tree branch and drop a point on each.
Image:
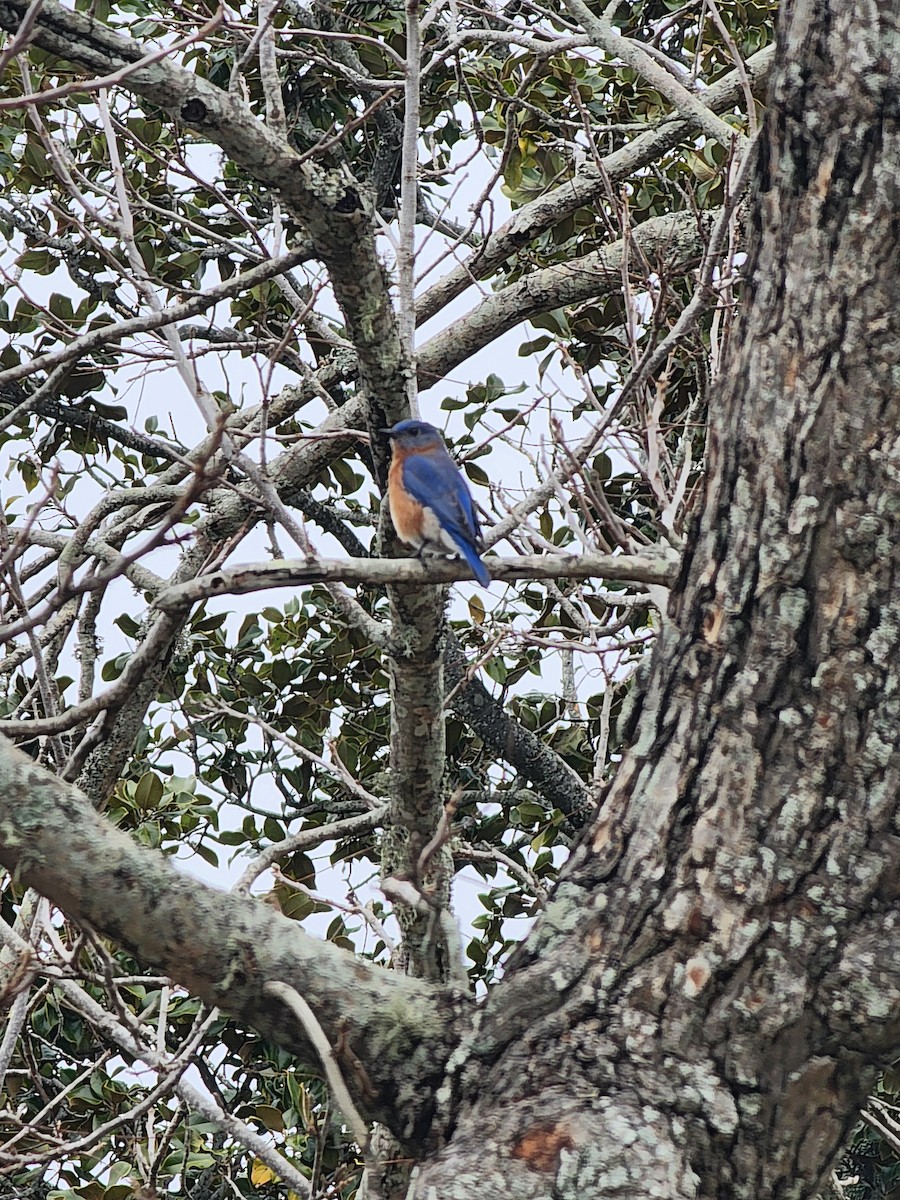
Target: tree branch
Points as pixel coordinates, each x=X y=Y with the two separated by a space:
x=329 y=205
x=390 y=1034
x=557 y=783
x=536 y=217
x=105 y=335
x=678 y=239
x=658 y=568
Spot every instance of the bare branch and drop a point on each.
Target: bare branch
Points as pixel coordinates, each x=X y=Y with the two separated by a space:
x=678 y=239
x=306 y=839
x=409 y=197
x=379 y=572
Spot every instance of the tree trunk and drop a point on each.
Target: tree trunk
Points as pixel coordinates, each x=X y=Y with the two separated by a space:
x=704 y=1003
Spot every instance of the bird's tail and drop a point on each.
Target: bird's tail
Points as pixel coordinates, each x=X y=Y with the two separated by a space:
x=470 y=554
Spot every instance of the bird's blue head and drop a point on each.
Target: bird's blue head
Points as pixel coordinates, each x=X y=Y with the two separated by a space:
x=414 y=435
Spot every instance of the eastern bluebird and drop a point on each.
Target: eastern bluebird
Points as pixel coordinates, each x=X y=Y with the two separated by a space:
x=431 y=505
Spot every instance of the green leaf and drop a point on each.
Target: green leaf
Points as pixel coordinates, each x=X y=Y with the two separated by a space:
x=148 y=792
x=232 y=837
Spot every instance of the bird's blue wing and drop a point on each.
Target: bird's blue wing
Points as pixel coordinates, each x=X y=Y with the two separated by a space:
x=435 y=481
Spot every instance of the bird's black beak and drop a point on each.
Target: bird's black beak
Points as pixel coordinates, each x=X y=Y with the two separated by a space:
x=387 y=432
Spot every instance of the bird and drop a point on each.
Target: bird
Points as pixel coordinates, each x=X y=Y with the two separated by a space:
x=431 y=505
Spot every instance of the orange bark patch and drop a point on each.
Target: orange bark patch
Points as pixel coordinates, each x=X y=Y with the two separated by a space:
x=696 y=975
x=792 y=372
x=541 y=1146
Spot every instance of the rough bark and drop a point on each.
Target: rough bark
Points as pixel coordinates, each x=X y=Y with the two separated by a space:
x=725 y=944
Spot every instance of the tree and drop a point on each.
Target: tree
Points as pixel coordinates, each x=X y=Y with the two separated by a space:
x=712 y=983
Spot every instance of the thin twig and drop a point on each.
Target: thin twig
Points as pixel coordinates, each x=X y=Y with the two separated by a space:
x=409 y=202
x=147 y=322
x=316 y=1034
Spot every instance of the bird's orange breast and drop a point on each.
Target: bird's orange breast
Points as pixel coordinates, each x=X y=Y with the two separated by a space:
x=406 y=513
